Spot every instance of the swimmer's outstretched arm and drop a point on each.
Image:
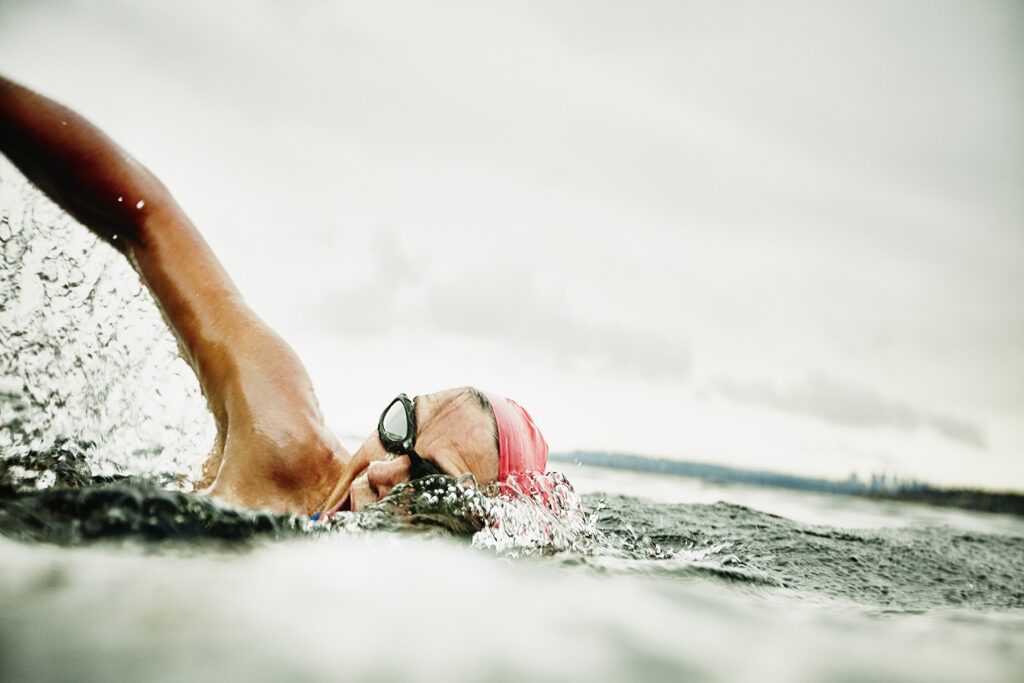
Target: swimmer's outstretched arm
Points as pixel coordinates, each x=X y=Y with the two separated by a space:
x=117 y=198
x=256 y=387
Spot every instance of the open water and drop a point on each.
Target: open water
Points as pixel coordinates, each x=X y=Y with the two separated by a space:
x=126 y=578
x=111 y=569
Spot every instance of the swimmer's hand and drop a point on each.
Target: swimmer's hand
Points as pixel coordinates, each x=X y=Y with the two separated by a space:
x=340 y=495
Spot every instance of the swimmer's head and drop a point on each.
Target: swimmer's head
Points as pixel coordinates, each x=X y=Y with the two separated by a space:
x=456 y=431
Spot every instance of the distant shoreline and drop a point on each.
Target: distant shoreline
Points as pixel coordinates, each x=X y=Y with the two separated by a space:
x=879 y=486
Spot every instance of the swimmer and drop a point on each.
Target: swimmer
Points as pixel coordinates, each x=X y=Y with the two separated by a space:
x=273 y=449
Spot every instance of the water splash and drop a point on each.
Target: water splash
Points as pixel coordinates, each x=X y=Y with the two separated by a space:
x=511 y=520
x=84 y=356
x=535 y=514
x=531 y=515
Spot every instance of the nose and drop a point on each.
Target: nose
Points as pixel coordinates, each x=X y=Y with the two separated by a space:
x=384 y=475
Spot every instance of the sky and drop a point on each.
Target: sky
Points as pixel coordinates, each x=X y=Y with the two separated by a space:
x=785 y=235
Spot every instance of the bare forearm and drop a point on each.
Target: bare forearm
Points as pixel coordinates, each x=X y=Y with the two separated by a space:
x=77 y=165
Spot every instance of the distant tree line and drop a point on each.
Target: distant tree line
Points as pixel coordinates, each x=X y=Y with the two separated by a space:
x=879 y=486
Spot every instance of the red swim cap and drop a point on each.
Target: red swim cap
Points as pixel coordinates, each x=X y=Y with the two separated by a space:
x=521 y=446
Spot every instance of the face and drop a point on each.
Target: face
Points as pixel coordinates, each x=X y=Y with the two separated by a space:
x=454 y=432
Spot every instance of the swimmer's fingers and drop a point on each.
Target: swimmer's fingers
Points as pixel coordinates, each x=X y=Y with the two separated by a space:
x=336 y=498
x=339 y=494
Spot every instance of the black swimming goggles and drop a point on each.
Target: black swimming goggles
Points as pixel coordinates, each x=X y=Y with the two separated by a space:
x=397 y=432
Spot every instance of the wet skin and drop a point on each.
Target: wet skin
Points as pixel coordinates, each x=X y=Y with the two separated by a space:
x=272 y=449
x=455 y=433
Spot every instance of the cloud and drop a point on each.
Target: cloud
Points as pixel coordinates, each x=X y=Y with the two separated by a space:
x=837 y=402
x=503 y=303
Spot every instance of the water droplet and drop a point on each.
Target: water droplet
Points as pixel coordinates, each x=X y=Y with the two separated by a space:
x=140 y=204
x=13 y=251
x=75 y=276
x=48 y=271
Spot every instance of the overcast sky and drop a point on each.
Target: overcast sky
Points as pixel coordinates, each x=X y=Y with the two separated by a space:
x=778 y=235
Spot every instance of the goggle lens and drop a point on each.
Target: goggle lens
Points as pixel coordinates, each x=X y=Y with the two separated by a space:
x=396 y=426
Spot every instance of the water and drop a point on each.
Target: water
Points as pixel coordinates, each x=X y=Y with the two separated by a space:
x=174 y=586
x=84 y=354
x=109 y=566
